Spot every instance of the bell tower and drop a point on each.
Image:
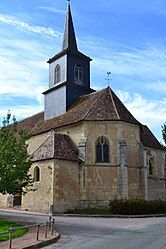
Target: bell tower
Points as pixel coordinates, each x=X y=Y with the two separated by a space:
x=69 y=74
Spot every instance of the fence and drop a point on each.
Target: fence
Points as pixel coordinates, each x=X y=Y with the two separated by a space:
x=49 y=229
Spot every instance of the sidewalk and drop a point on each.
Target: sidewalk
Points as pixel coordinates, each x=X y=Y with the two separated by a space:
x=17 y=210
x=29 y=240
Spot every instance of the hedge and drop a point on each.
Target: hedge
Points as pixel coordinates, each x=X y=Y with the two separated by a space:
x=137 y=206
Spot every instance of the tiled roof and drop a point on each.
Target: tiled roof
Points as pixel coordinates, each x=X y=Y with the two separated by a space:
x=149 y=140
x=98 y=106
x=56 y=146
x=102 y=105
x=30 y=123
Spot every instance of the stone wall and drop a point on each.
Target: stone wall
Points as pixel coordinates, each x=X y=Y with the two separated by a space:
x=76 y=132
x=40 y=196
x=101 y=185
x=66 y=186
x=157 y=181
x=119 y=178
x=156 y=188
x=6 y=201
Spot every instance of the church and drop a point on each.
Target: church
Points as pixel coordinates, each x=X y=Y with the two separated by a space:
x=86 y=147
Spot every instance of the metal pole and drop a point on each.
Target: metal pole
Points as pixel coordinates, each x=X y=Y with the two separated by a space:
x=10 y=238
x=37 y=235
x=46 y=229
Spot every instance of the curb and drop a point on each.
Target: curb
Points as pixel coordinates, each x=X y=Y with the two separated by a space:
x=110 y=216
x=83 y=215
x=43 y=243
x=24 y=212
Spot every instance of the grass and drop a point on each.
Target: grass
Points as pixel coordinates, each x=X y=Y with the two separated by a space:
x=5 y=225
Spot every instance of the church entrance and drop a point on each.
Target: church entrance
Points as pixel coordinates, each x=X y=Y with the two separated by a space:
x=17 y=200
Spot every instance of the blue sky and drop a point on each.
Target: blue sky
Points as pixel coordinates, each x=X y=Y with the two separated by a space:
x=125 y=37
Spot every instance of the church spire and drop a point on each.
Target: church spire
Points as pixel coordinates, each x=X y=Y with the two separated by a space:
x=69 y=38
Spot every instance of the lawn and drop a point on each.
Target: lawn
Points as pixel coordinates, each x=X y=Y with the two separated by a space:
x=5 y=225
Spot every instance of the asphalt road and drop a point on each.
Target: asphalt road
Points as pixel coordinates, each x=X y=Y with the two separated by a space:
x=103 y=233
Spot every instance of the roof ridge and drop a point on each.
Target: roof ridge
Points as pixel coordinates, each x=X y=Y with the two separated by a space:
x=33 y=129
x=110 y=91
x=101 y=94
x=42 y=143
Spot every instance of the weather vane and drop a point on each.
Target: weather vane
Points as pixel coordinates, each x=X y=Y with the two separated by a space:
x=68 y=1
x=108 y=78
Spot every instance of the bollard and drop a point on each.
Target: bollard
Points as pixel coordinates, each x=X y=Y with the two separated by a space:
x=53 y=223
x=46 y=229
x=49 y=222
x=10 y=238
x=37 y=235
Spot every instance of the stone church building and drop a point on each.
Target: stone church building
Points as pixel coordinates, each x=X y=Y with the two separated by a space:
x=86 y=147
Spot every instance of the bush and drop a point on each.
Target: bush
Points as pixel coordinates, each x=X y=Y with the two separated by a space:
x=89 y=211
x=137 y=207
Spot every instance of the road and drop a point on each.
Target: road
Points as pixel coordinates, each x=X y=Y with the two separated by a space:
x=103 y=233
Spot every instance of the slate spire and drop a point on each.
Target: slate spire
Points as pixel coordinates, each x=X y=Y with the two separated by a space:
x=69 y=38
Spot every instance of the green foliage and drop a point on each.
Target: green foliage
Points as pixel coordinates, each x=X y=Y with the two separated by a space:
x=90 y=211
x=6 y=225
x=164 y=132
x=14 y=160
x=137 y=207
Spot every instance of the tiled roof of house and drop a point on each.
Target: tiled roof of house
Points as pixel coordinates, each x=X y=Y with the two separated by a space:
x=149 y=140
x=102 y=105
x=56 y=146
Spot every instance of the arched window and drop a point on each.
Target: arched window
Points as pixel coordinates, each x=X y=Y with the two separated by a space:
x=57 y=74
x=78 y=74
x=102 y=151
x=36 y=174
x=151 y=166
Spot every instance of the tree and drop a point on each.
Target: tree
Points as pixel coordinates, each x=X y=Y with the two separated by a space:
x=164 y=132
x=14 y=159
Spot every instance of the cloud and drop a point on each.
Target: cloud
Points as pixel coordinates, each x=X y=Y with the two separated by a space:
x=21 y=111
x=12 y=21
x=148 y=62
x=147 y=111
x=53 y=9
x=137 y=69
x=21 y=79
x=159 y=86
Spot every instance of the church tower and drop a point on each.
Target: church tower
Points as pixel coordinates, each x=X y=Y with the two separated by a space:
x=69 y=74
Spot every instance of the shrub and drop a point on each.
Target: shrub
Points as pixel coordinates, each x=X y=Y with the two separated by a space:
x=89 y=211
x=137 y=207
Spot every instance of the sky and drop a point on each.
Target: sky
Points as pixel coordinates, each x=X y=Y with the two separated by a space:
x=125 y=37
